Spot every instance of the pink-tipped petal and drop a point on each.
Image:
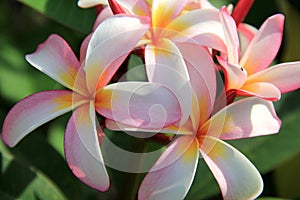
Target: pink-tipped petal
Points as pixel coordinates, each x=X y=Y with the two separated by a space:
x=263 y=90
x=56 y=59
x=202 y=74
x=82 y=148
x=264 y=46
x=33 y=111
x=285 y=76
x=201 y=26
x=83 y=47
x=236 y=175
x=172 y=175
x=165 y=65
x=249 y=117
x=103 y=15
x=110 y=45
x=90 y=3
x=231 y=36
x=139 y=104
x=164 y=11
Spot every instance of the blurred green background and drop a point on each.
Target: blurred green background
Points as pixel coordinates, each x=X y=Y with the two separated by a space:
x=36 y=169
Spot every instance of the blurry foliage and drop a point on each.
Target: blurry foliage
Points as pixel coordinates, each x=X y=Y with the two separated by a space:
x=36 y=169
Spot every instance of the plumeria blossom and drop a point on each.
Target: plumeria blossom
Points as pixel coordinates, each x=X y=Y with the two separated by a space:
x=126 y=102
x=170 y=23
x=173 y=173
x=250 y=74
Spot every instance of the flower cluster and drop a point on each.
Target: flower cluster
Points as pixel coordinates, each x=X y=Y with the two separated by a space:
x=208 y=79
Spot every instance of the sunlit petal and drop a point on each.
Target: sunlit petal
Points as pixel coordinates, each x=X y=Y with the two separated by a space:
x=244 y=118
x=110 y=45
x=33 y=111
x=165 y=65
x=285 y=76
x=56 y=59
x=263 y=90
x=236 y=175
x=139 y=104
x=264 y=46
x=82 y=148
x=172 y=175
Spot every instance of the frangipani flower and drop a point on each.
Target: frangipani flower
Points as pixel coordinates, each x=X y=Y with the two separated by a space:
x=126 y=102
x=173 y=173
x=249 y=75
x=171 y=23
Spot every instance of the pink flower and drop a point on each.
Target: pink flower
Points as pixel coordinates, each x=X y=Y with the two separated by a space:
x=248 y=74
x=126 y=102
x=173 y=173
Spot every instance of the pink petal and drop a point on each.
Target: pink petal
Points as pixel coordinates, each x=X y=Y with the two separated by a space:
x=83 y=47
x=164 y=11
x=231 y=36
x=137 y=7
x=285 y=76
x=33 y=111
x=249 y=117
x=235 y=75
x=165 y=65
x=109 y=46
x=139 y=104
x=263 y=90
x=172 y=175
x=82 y=148
x=202 y=73
x=90 y=3
x=264 y=46
x=246 y=34
x=200 y=26
x=56 y=59
x=103 y=15
x=236 y=175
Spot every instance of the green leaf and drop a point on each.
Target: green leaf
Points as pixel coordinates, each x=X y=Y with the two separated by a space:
x=20 y=180
x=65 y=12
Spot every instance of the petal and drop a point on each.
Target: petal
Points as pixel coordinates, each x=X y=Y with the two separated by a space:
x=284 y=76
x=200 y=26
x=186 y=129
x=56 y=59
x=231 y=36
x=33 y=111
x=109 y=46
x=165 y=65
x=139 y=104
x=136 y=7
x=90 y=3
x=236 y=175
x=249 y=117
x=103 y=15
x=82 y=148
x=263 y=90
x=246 y=34
x=202 y=73
x=264 y=46
x=235 y=75
x=164 y=11
x=172 y=175
x=83 y=47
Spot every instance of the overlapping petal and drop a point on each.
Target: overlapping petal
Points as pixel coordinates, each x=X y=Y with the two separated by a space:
x=248 y=117
x=284 y=76
x=56 y=59
x=82 y=148
x=235 y=174
x=264 y=46
x=173 y=173
x=33 y=111
x=200 y=26
x=110 y=45
x=263 y=90
x=90 y=3
x=165 y=65
x=139 y=104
